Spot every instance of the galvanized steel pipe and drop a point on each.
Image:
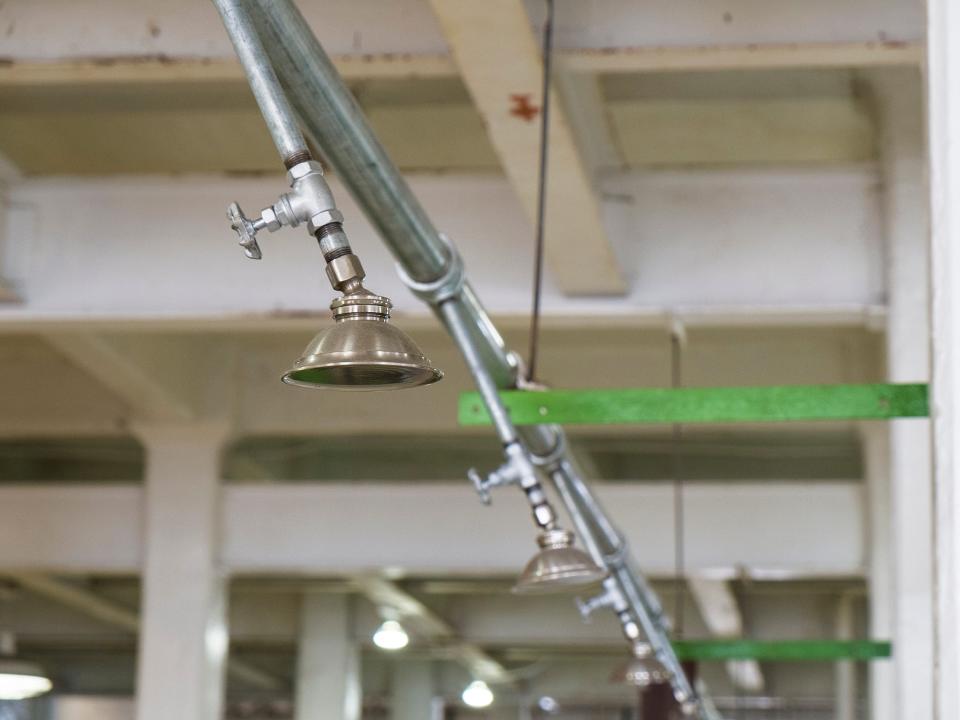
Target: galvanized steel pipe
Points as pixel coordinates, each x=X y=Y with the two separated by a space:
x=262 y=78
x=338 y=127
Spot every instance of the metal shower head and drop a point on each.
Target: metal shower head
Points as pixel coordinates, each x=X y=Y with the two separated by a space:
x=558 y=566
x=362 y=351
x=642 y=670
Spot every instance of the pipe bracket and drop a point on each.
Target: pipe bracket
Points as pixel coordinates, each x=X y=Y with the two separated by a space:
x=448 y=286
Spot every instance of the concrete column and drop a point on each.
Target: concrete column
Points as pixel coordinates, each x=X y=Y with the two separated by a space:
x=875 y=439
x=906 y=216
x=943 y=101
x=328 y=663
x=412 y=693
x=183 y=635
x=845 y=684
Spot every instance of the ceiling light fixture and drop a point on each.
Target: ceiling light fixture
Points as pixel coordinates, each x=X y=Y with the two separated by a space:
x=549 y=705
x=477 y=695
x=391 y=636
x=22 y=680
x=19 y=680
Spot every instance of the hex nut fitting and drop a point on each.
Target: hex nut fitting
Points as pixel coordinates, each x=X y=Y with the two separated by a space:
x=301 y=170
x=343 y=269
x=270 y=219
x=543 y=515
x=322 y=218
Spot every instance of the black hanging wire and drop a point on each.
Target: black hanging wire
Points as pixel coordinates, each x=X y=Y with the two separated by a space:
x=676 y=473
x=541 y=193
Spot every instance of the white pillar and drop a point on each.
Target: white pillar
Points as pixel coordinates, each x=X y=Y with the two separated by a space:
x=412 y=692
x=875 y=439
x=183 y=634
x=943 y=99
x=845 y=684
x=906 y=217
x=328 y=663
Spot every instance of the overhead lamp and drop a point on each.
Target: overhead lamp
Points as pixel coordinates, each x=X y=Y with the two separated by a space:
x=391 y=636
x=558 y=566
x=22 y=680
x=642 y=670
x=477 y=695
x=548 y=705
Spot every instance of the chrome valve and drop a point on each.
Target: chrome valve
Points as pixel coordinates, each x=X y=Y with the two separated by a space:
x=309 y=201
x=609 y=598
x=517 y=470
x=480 y=485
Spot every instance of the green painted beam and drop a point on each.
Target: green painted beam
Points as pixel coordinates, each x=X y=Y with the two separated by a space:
x=704 y=405
x=783 y=650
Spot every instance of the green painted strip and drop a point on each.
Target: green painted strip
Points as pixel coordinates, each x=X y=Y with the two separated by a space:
x=783 y=650
x=704 y=405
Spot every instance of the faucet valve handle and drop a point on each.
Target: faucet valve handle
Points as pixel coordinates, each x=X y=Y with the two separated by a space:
x=247 y=230
x=481 y=485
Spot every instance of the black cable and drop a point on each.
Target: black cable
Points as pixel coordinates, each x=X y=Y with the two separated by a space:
x=541 y=193
x=676 y=381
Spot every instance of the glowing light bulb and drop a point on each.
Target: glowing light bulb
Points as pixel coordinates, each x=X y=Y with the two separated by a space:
x=19 y=681
x=477 y=695
x=391 y=636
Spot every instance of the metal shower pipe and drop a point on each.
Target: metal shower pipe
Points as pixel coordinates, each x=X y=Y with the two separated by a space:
x=273 y=103
x=336 y=124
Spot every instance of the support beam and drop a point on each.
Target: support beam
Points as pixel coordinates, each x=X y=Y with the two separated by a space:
x=106 y=611
x=943 y=102
x=587 y=110
x=342 y=528
x=721 y=613
x=184 y=637
x=774 y=403
x=383 y=593
x=148 y=69
x=137 y=381
x=909 y=463
x=500 y=63
x=328 y=661
x=758 y=56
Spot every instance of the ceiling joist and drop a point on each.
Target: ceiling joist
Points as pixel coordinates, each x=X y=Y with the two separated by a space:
x=137 y=381
x=501 y=66
x=148 y=68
